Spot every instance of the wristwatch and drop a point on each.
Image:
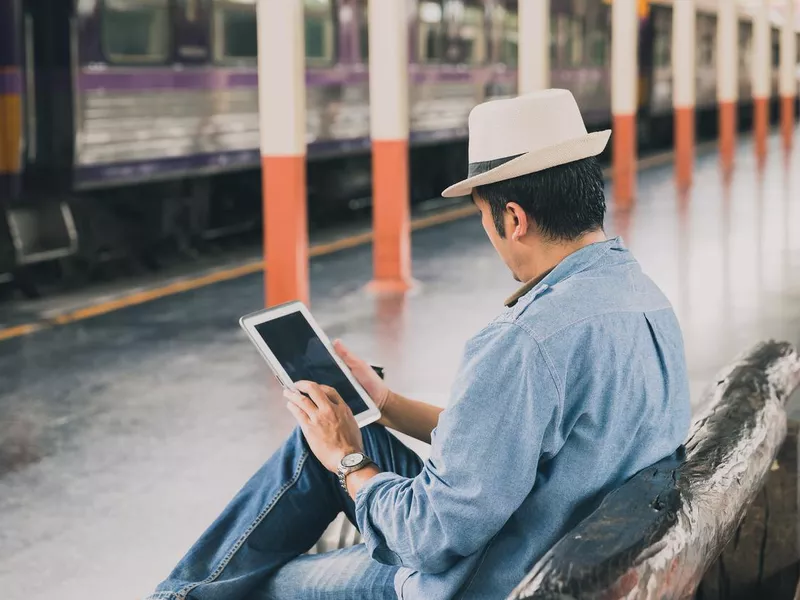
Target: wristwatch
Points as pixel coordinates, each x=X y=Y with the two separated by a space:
x=351 y=463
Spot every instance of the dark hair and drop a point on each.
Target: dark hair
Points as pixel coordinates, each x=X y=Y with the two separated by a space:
x=564 y=201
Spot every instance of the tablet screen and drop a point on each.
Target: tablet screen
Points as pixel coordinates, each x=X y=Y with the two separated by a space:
x=303 y=356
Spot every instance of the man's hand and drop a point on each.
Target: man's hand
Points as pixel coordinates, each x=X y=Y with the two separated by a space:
x=365 y=375
x=327 y=422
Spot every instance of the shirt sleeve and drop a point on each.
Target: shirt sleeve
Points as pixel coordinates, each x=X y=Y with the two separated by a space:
x=484 y=458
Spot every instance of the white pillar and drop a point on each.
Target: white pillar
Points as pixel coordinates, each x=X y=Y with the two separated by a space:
x=534 y=45
x=727 y=52
x=624 y=86
x=727 y=79
x=788 y=77
x=389 y=125
x=762 y=76
x=762 y=46
x=788 y=80
x=684 y=28
x=282 y=120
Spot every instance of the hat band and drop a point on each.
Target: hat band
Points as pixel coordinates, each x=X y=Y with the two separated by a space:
x=479 y=168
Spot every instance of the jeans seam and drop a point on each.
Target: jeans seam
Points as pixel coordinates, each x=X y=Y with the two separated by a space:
x=182 y=593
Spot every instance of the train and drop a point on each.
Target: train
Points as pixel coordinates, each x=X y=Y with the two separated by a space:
x=130 y=126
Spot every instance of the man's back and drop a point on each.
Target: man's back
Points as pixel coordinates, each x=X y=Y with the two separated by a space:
x=606 y=390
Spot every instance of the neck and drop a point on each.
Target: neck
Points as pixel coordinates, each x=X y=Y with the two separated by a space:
x=548 y=254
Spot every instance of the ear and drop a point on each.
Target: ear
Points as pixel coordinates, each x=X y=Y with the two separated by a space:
x=518 y=221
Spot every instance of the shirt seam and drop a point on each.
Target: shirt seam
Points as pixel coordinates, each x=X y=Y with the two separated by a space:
x=547 y=360
x=615 y=311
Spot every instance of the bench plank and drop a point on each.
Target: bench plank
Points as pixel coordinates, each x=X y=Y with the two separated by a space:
x=655 y=536
x=762 y=560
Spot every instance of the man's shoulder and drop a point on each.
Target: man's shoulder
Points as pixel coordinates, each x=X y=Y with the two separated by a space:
x=584 y=299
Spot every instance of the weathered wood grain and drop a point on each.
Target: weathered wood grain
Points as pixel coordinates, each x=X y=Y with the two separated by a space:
x=655 y=536
x=762 y=560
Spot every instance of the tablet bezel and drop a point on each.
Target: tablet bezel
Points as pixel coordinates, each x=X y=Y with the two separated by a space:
x=249 y=323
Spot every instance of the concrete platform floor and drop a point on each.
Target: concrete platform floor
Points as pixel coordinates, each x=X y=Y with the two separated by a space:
x=122 y=436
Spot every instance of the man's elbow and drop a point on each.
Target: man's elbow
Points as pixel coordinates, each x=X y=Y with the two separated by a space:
x=424 y=560
x=438 y=563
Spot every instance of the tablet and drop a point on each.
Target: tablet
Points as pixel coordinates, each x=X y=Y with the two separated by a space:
x=296 y=348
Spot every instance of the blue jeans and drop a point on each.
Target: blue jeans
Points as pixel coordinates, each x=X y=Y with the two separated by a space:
x=255 y=548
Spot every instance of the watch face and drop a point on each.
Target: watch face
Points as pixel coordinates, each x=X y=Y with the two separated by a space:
x=351 y=460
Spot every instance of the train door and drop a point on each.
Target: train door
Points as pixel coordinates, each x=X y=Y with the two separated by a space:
x=41 y=223
x=48 y=40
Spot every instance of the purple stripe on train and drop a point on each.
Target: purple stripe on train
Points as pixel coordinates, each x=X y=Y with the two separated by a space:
x=215 y=78
x=10 y=81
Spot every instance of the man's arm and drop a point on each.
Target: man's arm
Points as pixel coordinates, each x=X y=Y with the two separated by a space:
x=411 y=417
x=483 y=464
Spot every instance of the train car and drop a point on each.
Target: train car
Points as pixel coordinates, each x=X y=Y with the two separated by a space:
x=659 y=108
x=130 y=124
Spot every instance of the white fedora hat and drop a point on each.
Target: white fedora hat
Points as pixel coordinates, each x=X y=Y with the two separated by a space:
x=531 y=133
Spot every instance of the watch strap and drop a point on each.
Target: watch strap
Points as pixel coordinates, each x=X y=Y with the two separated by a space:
x=345 y=471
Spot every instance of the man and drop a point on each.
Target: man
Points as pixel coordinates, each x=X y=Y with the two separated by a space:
x=578 y=384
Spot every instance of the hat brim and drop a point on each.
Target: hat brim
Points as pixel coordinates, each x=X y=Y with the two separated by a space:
x=591 y=144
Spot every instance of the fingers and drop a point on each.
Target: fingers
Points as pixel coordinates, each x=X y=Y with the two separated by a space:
x=315 y=392
x=332 y=394
x=301 y=402
x=350 y=359
x=299 y=414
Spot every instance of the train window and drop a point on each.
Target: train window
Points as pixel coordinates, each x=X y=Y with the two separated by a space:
x=471 y=35
x=577 y=32
x=560 y=30
x=320 y=30
x=510 y=50
x=136 y=31
x=363 y=30
x=451 y=31
x=745 y=46
x=705 y=51
x=430 y=32
x=598 y=48
x=662 y=44
x=235 y=31
x=776 y=49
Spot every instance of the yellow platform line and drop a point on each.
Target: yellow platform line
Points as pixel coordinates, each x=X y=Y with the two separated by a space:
x=185 y=285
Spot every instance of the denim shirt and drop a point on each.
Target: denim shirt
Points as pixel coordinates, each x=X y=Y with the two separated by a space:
x=580 y=383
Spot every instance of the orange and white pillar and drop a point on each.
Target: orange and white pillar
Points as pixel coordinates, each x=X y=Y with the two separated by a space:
x=282 y=119
x=534 y=46
x=788 y=78
x=727 y=80
x=389 y=125
x=762 y=77
x=624 y=85
x=684 y=29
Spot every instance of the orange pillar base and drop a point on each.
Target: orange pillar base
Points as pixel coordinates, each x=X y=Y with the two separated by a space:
x=391 y=218
x=761 y=126
x=684 y=146
x=285 y=229
x=728 y=119
x=624 y=160
x=787 y=121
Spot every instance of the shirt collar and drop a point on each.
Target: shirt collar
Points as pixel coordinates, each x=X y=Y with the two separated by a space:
x=578 y=261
